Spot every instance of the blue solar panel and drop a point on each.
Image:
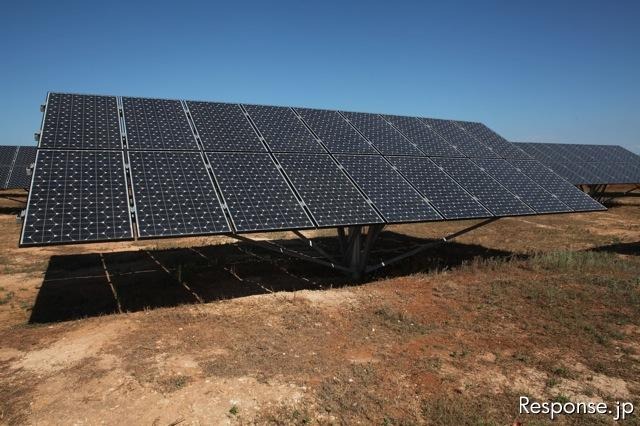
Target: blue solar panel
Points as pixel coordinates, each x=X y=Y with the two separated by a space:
x=382 y=134
x=390 y=193
x=283 y=131
x=223 y=127
x=330 y=196
x=460 y=139
x=563 y=190
x=444 y=193
x=25 y=158
x=335 y=132
x=488 y=191
x=77 y=196
x=522 y=186
x=427 y=140
x=81 y=122
x=256 y=194
x=500 y=145
x=157 y=124
x=174 y=195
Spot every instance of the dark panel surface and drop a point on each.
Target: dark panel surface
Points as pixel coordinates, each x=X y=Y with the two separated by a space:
x=390 y=193
x=157 y=124
x=81 y=122
x=490 y=193
x=387 y=139
x=460 y=139
x=522 y=186
x=442 y=192
x=566 y=192
x=77 y=196
x=429 y=142
x=25 y=157
x=174 y=195
x=331 y=197
x=224 y=127
x=257 y=195
x=500 y=145
x=335 y=132
x=7 y=154
x=283 y=131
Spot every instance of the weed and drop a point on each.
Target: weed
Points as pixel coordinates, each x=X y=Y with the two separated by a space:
x=7 y=298
x=234 y=410
x=400 y=321
x=173 y=383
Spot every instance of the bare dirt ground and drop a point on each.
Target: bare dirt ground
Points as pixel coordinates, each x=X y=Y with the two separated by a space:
x=208 y=331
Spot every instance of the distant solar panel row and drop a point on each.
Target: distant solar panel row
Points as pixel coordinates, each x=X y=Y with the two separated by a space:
x=190 y=168
x=583 y=164
x=14 y=162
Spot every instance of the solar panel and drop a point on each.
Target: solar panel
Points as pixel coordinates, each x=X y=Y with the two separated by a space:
x=587 y=164
x=77 y=196
x=522 y=186
x=567 y=193
x=382 y=134
x=25 y=157
x=429 y=142
x=390 y=193
x=7 y=157
x=490 y=193
x=223 y=127
x=335 y=132
x=174 y=195
x=283 y=131
x=460 y=139
x=256 y=194
x=490 y=138
x=157 y=124
x=81 y=122
x=445 y=194
x=330 y=196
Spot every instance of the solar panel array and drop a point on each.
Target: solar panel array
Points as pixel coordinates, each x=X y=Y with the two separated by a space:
x=583 y=164
x=121 y=167
x=14 y=162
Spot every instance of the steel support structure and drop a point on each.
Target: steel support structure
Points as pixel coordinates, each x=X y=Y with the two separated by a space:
x=355 y=244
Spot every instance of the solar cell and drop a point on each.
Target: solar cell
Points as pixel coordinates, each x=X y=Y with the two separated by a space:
x=5 y=172
x=77 y=196
x=490 y=138
x=25 y=157
x=427 y=140
x=174 y=195
x=490 y=193
x=157 y=124
x=7 y=157
x=224 y=127
x=335 y=132
x=382 y=134
x=256 y=194
x=283 y=131
x=390 y=193
x=81 y=122
x=567 y=193
x=460 y=139
x=330 y=196
x=439 y=189
x=522 y=186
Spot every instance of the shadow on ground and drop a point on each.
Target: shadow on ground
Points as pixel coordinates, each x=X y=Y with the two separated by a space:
x=78 y=286
x=621 y=248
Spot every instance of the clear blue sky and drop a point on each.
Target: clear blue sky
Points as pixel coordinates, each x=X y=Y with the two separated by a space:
x=542 y=71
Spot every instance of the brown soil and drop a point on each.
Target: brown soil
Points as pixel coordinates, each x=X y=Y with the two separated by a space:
x=209 y=331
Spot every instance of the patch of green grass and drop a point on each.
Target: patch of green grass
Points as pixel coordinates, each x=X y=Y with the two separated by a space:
x=234 y=410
